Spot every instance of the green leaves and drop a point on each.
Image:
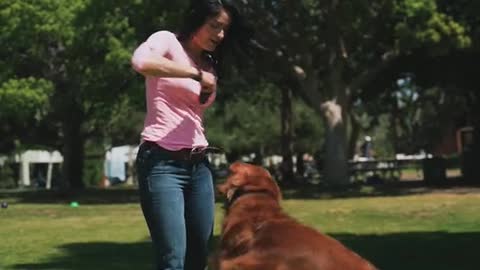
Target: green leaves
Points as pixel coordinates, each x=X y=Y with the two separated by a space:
x=420 y=23
x=249 y=120
x=22 y=99
x=29 y=28
x=245 y=121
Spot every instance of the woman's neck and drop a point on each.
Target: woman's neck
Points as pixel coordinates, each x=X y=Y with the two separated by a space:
x=193 y=50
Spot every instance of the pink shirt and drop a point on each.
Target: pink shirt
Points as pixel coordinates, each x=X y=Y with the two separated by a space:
x=174 y=113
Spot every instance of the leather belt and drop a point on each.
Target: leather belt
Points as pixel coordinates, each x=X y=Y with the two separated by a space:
x=185 y=154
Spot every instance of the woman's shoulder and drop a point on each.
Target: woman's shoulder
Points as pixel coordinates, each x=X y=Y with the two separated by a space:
x=163 y=35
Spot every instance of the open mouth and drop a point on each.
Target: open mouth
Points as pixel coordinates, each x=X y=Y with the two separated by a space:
x=214 y=42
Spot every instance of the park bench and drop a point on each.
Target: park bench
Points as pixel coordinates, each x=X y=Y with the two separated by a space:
x=385 y=169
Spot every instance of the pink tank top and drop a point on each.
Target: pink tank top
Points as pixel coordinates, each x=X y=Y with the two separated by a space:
x=174 y=117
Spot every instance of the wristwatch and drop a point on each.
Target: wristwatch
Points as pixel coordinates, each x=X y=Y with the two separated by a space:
x=198 y=77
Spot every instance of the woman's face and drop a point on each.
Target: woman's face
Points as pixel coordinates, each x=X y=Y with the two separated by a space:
x=212 y=32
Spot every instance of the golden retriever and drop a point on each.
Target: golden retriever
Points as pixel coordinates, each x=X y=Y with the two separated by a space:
x=258 y=235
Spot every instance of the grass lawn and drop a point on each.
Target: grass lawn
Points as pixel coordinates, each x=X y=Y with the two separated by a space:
x=432 y=230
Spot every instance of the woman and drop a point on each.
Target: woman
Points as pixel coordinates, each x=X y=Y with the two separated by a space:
x=175 y=183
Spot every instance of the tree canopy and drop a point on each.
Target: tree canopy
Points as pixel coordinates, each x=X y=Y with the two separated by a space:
x=66 y=77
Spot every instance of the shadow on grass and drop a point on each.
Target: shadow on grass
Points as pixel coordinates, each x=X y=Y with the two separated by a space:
x=417 y=250
x=413 y=251
x=300 y=191
x=97 y=255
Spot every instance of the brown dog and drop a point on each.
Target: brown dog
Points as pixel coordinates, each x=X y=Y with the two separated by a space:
x=258 y=235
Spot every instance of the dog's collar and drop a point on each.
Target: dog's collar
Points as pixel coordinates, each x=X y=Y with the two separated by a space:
x=239 y=192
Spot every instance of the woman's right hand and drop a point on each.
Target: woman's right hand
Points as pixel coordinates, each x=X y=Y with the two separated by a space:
x=208 y=82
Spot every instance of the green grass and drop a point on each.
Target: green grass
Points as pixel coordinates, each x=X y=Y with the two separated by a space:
x=439 y=230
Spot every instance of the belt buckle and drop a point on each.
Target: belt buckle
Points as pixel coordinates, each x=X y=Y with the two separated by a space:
x=196 y=152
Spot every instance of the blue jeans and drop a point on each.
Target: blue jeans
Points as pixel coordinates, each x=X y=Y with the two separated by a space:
x=177 y=200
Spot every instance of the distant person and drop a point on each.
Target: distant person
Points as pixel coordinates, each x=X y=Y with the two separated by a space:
x=367 y=148
x=175 y=182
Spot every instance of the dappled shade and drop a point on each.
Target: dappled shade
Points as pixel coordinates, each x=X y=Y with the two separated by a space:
x=410 y=250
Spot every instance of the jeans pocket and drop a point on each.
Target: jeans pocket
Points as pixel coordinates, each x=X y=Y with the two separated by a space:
x=142 y=162
x=164 y=174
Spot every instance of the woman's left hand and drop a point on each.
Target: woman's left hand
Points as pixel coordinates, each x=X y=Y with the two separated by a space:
x=208 y=82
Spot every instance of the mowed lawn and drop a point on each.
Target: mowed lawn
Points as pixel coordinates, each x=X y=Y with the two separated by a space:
x=439 y=230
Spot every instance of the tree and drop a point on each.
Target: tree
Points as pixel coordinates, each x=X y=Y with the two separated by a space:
x=83 y=49
x=337 y=56
x=244 y=122
x=24 y=106
x=345 y=49
x=246 y=119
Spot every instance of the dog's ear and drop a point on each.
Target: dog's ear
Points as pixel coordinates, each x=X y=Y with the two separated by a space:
x=238 y=179
x=239 y=174
x=237 y=167
x=254 y=178
x=269 y=185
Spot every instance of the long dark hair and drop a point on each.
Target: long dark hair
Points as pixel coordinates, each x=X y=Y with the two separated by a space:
x=237 y=38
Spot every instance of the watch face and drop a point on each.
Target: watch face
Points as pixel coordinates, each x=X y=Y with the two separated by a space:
x=198 y=76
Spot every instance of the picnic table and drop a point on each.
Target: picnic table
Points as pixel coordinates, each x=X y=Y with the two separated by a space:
x=384 y=168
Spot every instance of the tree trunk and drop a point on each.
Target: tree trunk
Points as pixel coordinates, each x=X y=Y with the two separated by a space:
x=232 y=156
x=300 y=164
x=354 y=134
x=286 y=136
x=131 y=173
x=475 y=172
x=394 y=117
x=73 y=153
x=259 y=154
x=336 y=167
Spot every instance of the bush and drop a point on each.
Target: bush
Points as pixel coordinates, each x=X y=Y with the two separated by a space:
x=93 y=172
x=7 y=177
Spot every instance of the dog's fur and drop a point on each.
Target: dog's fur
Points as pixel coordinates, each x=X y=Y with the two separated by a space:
x=258 y=235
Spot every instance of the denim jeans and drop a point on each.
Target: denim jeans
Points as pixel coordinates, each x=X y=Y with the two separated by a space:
x=177 y=200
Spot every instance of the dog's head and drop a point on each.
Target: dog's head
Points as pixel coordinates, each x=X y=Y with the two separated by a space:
x=246 y=178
